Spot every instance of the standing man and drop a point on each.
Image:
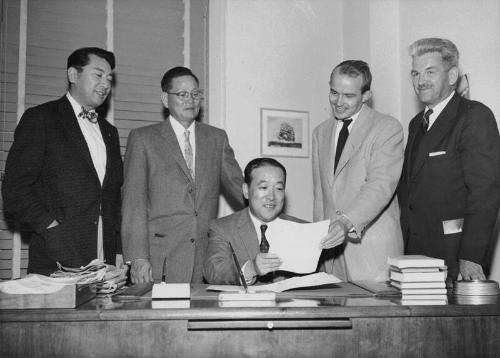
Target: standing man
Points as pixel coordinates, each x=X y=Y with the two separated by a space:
x=450 y=186
x=174 y=172
x=250 y=231
x=64 y=171
x=357 y=159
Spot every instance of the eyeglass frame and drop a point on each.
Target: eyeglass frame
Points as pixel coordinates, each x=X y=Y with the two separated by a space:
x=186 y=95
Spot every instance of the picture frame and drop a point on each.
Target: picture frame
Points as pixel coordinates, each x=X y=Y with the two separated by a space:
x=284 y=132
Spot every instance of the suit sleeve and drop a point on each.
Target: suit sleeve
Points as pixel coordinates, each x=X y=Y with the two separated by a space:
x=22 y=172
x=318 y=209
x=118 y=200
x=382 y=176
x=479 y=150
x=134 y=195
x=219 y=266
x=231 y=176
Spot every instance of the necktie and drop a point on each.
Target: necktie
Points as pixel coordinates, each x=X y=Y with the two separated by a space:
x=344 y=133
x=264 y=244
x=418 y=137
x=188 y=153
x=90 y=115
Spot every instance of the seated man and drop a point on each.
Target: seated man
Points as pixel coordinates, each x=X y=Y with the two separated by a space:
x=250 y=231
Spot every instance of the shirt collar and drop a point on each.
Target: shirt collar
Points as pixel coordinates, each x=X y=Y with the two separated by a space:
x=257 y=223
x=179 y=128
x=438 y=108
x=77 y=107
x=353 y=117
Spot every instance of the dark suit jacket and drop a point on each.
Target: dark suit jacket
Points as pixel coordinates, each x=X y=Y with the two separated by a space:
x=50 y=175
x=461 y=182
x=238 y=229
x=165 y=211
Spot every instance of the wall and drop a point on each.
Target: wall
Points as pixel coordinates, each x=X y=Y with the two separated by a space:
x=279 y=54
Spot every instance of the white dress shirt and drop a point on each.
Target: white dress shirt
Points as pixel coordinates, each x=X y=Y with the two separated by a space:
x=438 y=108
x=179 y=133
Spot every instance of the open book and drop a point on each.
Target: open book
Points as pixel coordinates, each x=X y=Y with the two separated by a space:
x=314 y=279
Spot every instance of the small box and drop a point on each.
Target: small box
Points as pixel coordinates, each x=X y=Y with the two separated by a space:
x=165 y=290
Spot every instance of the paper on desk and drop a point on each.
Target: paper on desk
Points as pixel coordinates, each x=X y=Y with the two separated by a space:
x=314 y=279
x=297 y=245
x=32 y=284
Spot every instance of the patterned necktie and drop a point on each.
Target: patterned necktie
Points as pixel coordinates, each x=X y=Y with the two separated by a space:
x=344 y=133
x=264 y=244
x=90 y=115
x=425 y=120
x=188 y=153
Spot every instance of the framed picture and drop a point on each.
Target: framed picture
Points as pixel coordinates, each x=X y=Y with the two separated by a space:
x=284 y=132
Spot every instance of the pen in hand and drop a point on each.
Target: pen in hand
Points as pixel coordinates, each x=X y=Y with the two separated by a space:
x=164 y=272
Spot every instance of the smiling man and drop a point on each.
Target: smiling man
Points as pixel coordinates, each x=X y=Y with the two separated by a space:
x=450 y=186
x=357 y=159
x=64 y=171
x=174 y=173
x=250 y=231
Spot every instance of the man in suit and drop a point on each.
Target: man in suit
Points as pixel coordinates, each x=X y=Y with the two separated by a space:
x=357 y=158
x=450 y=186
x=250 y=231
x=174 y=172
x=64 y=171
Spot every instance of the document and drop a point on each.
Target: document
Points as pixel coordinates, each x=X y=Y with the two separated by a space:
x=297 y=245
x=315 y=279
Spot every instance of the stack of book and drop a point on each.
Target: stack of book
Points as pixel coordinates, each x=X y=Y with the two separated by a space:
x=421 y=279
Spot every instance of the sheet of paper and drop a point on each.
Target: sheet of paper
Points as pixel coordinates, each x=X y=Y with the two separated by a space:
x=315 y=279
x=297 y=245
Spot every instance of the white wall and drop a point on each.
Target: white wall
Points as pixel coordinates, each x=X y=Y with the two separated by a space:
x=279 y=54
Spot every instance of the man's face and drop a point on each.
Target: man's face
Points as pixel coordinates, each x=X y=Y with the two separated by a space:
x=183 y=110
x=346 y=98
x=266 y=192
x=92 y=84
x=431 y=80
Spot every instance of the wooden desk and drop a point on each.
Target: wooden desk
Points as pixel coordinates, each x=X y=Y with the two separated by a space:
x=338 y=326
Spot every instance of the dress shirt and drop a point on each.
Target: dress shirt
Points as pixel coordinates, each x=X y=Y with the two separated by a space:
x=93 y=136
x=179 y=133
x=437 y=109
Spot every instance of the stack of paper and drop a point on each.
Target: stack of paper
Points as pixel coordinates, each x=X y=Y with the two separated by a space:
x=421 y=279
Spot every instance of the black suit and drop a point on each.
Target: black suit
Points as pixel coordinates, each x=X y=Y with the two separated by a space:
x=455 y=175
x=50 y=176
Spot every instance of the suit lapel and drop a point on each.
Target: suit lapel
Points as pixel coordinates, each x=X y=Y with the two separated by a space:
x=358 y=133
x=328 y=149
x=203 y=152
x=173 y=147
x=247 y=235
x=441 y=127
x=106 y=136
x=70 y=123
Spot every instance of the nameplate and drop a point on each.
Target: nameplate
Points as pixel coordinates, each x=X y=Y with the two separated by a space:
x=171 y=290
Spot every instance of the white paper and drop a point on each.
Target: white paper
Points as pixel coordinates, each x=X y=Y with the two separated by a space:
x=315 y=279
x=297 y=245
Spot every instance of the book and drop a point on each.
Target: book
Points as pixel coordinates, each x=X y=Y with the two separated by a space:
x=423 y=297
x=417 y=269
x=423 y=291
x=423 y=302
x=403 y=261
x=418 y=276
x=406 y=285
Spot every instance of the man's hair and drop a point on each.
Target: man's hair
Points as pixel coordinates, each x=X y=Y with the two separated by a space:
x=170 y=75
x=447 y=49
x=354 y=68
x=80 y=58
x=262 y=162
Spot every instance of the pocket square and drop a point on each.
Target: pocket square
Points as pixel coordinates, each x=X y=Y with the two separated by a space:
x=435 y=154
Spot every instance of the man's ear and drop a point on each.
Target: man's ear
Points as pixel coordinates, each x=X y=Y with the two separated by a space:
x=453 y=76
x=244 y=187
x=164 y=99
x=365 y=97
x=72 y=74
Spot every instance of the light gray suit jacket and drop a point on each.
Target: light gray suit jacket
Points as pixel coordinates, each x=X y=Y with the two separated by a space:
x=166 y=213
x=238 y=229
x=363 y=189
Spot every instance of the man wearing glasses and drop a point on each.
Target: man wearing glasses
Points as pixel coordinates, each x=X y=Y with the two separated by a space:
x=174 y=172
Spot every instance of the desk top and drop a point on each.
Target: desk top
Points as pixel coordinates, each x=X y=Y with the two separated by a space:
x=334 y=304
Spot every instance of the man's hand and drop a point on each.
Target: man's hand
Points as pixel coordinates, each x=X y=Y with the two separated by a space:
x=470 y=270
x=141 y=271
x=265 y=263
x=337 y=234
x=119 y=261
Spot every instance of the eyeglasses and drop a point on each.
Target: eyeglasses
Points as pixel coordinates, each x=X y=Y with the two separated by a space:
x=196 y=95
